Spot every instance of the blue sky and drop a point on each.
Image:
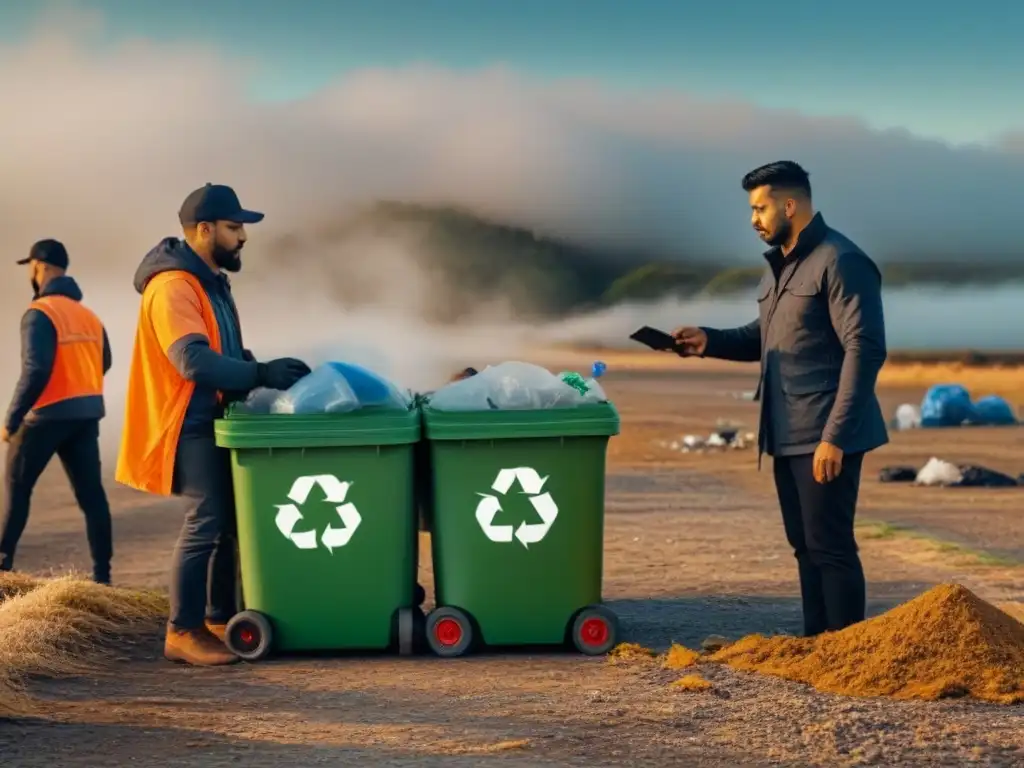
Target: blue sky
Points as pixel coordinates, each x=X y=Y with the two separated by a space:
x=934 y=68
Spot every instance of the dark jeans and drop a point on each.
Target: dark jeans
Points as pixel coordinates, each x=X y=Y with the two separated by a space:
x=203 y=568
x=77 y=444
x=818 y=519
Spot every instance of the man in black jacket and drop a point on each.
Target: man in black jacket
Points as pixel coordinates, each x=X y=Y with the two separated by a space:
x=820 y=340
x=57 y=405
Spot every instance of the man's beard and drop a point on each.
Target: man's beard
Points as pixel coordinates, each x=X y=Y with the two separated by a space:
x=227 y=259
x=35 y=289
x=781 y=234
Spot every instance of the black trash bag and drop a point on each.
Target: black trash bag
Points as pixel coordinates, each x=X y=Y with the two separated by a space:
x=897 y=474
x=982 y=477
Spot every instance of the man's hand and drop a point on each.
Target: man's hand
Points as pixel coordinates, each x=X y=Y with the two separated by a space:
x=690 y=342
x=828 y=462
x=5 y=436
x=282 y=373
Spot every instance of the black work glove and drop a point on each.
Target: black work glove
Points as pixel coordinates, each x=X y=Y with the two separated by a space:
x=281 y=373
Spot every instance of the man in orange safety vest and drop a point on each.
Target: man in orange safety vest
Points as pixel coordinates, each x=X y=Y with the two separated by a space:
x=57 y=405
x=188 y=363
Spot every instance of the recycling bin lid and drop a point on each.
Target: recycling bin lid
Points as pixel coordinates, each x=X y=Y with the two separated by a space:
x=364 y=427
x=597 y=420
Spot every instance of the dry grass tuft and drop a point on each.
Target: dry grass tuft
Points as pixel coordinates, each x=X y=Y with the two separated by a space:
x=16 y=584
x=57 y=627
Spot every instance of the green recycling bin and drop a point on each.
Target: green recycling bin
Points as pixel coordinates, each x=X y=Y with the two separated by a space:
x=517 y=528
x=327 y=530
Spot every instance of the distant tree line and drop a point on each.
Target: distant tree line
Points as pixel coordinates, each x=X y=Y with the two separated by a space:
x=475 y=260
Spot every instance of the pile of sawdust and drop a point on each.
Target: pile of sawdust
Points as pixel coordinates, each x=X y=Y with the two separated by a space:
x=945 y=643
x=55 y=627
x=680 y=657
x=630 y=652
x=691 y=683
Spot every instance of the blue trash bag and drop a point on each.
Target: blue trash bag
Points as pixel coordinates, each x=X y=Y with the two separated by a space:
x=946 y=405
x=993 y=411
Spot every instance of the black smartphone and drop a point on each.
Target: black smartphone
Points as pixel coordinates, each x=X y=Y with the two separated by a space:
x=653 y=338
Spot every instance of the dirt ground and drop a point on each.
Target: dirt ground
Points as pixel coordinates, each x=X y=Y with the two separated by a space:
x=693 y=547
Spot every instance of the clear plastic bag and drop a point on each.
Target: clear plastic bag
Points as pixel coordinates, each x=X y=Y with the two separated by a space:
x=371 y=389
x=325 y=390
x=260 y=401
x=513 y=386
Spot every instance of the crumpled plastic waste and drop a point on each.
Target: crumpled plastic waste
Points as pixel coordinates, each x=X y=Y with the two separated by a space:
x=517 y=385
x=938 y=472
x=259 y=401
x=908 y=416
x=330 y=388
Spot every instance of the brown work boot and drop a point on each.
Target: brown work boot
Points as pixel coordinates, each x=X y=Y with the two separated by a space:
x=217 y=630
x=197 y=647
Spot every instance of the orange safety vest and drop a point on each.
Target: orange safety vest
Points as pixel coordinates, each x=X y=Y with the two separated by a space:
x=158 y=395
x=78 y=362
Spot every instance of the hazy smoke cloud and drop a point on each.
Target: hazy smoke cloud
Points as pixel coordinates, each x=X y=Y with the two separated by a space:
x=100 y=146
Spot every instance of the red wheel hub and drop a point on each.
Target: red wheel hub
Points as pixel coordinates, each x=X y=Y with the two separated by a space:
x=247 y=636
x=448 y=632
x=594 y=631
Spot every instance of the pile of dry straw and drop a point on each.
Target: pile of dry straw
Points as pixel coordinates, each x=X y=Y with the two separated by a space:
x=63 y=626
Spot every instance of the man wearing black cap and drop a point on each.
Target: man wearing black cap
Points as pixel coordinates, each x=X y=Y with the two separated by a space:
x=188 y=363
x=57 y=405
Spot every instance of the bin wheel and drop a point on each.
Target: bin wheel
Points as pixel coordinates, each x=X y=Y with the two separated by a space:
x=249 y=635
x=407 y=631
x=449 y=632
x=595 y=630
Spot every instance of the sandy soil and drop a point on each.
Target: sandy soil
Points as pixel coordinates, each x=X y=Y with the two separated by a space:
x=693 y=547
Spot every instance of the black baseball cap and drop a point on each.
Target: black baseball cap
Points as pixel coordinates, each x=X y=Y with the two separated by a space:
x=50 y=252
x=215 y=202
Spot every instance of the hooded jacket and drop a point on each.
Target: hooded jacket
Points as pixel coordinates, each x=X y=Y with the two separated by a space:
x=38 y=355
x=187 y=361
x=232 y=371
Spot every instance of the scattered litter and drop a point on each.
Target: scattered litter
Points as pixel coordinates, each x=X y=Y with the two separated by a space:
x=746 y=395
x=908 y=416
x=945 y=643
x=938 y=472
x=901 y=474
x=993 y=411
x=519 y=386
x=680 y=657
x=718 y=440
x=950 y=405
x=982 y=477
x=693 y=442
x=691 y=683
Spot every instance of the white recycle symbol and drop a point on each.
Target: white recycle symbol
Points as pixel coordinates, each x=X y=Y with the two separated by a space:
x=335 y=491
x=532 y=485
